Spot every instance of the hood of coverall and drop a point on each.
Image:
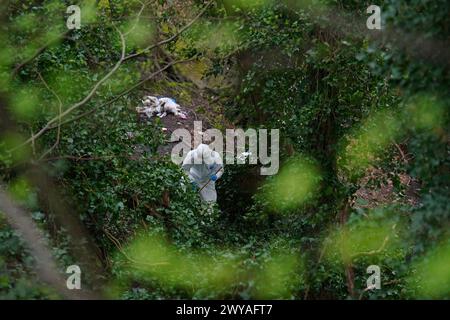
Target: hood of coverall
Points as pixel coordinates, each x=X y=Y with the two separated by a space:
x=203 y=154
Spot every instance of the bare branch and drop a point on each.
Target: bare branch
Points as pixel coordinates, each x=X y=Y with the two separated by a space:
x=84 y=100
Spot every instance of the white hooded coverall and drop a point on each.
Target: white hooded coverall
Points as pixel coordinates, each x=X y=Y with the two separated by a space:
x=200 y=164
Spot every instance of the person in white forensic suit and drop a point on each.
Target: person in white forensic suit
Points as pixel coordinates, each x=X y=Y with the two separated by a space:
x=204 y=167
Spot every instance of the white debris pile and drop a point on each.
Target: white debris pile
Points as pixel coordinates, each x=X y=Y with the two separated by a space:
x=160 y=107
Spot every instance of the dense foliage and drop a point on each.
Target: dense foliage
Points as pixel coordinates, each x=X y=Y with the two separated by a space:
x=355 y=114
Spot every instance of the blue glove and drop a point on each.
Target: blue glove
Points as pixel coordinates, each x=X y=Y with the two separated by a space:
x=213 y=177
x=194 y=186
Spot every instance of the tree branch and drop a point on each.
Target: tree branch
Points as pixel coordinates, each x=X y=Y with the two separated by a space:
x=83 y=101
